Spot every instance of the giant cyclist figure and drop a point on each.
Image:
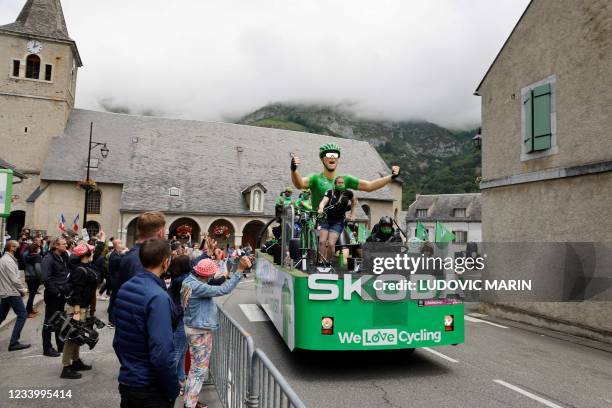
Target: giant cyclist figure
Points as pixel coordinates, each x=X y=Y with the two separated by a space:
x=319 y=183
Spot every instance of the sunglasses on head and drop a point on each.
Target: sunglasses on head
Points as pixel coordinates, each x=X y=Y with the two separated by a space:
x=332 y=155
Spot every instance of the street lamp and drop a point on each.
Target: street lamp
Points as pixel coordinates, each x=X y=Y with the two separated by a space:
x=478 y=139
x=88 y=185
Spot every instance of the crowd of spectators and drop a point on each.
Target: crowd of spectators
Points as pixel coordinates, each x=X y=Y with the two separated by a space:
x=160 y=302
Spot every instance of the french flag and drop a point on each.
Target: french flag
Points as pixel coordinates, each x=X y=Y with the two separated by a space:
x=75 y=223
x=62 y=225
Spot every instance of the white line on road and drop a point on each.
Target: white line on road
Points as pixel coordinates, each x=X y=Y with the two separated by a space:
x=528 y=394
x=42 y=355
x=475 y=320
x=246 y=281
x=253 y=313
x=434 y=352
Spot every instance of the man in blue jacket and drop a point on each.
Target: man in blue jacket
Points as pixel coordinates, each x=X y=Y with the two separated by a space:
x=143 y=338
x=151 y=224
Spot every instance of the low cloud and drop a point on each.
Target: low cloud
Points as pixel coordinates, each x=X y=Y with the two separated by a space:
x=225 y=58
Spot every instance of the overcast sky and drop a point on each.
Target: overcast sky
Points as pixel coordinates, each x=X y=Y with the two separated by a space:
x=219 y=59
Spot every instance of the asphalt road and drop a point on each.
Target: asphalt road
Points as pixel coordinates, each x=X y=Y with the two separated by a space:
x=498 y=366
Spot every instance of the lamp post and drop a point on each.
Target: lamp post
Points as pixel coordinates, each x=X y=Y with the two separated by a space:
x=478 y=139
x=88 y=185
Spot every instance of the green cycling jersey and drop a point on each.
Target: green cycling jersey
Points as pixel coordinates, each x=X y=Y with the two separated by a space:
x=284 y=201
x=319 y=184
x=303 y=204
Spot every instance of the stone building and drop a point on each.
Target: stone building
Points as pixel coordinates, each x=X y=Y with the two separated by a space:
x=212 y=176
x=460 y=214
x=546 y=141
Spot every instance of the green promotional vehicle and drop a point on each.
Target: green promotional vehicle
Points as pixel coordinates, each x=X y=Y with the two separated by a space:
x=346 y=310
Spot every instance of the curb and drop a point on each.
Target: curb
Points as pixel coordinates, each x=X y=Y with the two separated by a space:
x=545 y=327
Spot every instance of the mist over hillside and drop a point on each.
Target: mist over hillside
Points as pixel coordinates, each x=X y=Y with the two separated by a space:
x=434 y=159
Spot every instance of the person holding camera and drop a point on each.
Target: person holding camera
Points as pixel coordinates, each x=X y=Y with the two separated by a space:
x=200 y=319
x=83 y=280
x=55 y=278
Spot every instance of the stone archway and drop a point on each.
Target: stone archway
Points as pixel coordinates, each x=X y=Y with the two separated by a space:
x=132 y=234
x=15 y=223
x=93 y=227
x=195 y=230
x=368 y=212
x=251 y=232
x=228 y=232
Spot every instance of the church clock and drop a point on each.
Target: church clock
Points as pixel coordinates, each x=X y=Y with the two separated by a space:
x=34 y=46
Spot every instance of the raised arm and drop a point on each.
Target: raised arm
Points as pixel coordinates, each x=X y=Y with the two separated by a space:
x=378 y=183
x=297 y=180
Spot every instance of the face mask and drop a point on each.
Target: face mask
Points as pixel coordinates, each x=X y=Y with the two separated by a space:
x=340 y=187
x=386 y=230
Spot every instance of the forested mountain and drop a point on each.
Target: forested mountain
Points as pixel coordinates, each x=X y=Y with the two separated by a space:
x=434 y=159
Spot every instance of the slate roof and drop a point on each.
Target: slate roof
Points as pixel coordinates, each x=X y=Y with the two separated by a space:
x=7 y=165
x=212 y=163
x=42 y=18
x=441 y=207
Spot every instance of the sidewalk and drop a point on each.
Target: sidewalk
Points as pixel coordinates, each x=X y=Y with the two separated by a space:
x=29 y=369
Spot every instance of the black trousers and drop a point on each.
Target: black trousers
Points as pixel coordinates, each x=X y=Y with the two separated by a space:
x=33 y=284
x=53 y=303
x=143 y=397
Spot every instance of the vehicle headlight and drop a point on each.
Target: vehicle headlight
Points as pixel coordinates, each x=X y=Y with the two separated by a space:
x=449 y=323
x=327 y=325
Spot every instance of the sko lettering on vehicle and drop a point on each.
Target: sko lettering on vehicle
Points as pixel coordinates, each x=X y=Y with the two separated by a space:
x=328 y=289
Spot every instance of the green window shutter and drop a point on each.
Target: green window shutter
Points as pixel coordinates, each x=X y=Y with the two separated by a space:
x=528 y=107
x=541 y=117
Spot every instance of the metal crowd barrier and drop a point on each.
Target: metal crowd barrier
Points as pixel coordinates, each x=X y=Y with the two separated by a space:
x=243 y=376
x=230 y=361
x=270 y=385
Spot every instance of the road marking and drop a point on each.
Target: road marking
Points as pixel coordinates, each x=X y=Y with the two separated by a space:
x=253 y=313
x=42 y=355
x=528 y=394
x=434 y=352
x=475 y=320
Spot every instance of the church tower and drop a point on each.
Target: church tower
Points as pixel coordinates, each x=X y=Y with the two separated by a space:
x=38 y=71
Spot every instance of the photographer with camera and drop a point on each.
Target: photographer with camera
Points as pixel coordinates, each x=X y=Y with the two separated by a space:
x=55 y=277
x=82 y=281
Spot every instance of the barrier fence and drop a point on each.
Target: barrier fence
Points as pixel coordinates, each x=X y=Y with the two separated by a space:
x=271 y=386
x=243 y=376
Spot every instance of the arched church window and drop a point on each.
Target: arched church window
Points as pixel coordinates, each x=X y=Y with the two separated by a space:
x=92 y=228
x=33 y=66
x=93 y=202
